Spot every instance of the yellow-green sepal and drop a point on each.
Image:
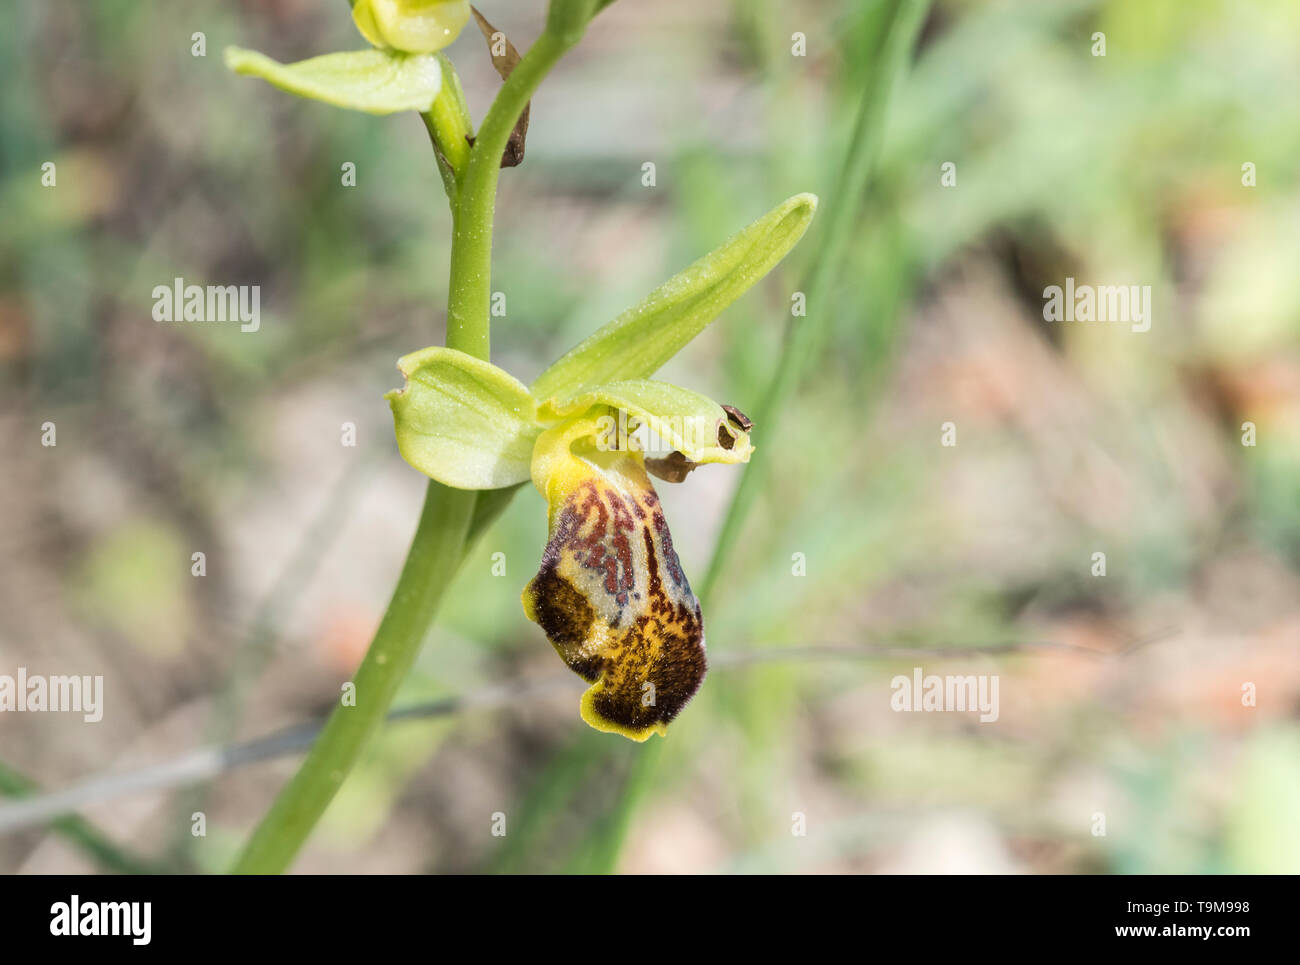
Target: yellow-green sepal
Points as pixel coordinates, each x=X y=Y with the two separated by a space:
x=638 y=342
x=688 y=422
x=418 y=26
x=374 y=81
x=463 y=421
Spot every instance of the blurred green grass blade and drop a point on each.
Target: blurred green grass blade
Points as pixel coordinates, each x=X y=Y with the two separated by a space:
x=535 y=824
x=79 y=832
x=601 y=850
x=890 y=58
x=803 y=340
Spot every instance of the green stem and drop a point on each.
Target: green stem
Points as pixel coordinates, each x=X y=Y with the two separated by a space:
x=436 y=552
x=471 y=251
x=434 y=558
x=451 y=517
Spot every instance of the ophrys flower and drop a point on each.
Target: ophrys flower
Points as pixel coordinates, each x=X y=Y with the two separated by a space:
x=611 y=594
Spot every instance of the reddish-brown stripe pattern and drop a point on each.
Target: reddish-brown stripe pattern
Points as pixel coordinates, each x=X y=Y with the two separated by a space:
x=613 y=600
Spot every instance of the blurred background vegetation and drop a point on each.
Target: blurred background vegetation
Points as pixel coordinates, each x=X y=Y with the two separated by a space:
x=1072 y=438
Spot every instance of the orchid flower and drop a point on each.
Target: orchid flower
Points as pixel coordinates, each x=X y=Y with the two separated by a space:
x=610 y=594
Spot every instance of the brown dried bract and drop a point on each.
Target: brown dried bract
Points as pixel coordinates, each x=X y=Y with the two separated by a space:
x=505 y=63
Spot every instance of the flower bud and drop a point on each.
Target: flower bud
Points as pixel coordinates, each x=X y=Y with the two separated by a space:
x=415 y=26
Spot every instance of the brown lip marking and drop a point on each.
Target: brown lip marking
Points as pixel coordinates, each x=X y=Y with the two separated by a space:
x=634 y=628
x=566 y=617
x=662 y=648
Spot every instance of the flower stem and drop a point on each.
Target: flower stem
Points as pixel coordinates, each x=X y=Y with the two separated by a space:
x=451 y=517
x=471 y=250
x=435 y=554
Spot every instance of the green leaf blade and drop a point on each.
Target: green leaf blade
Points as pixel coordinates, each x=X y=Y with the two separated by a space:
x=637 y=343
x=374 y=81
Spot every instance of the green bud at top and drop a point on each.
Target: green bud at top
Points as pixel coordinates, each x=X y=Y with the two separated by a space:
x=415 y=26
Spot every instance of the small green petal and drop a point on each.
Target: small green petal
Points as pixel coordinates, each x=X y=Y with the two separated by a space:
x=463 y=421
x=363 y=15
x=375 y=81
x=417 y=26
x=638 y=342
x=688 y=422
